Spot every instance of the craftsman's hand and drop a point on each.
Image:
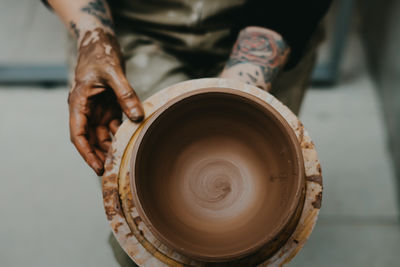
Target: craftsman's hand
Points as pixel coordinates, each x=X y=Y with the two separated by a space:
x=256 y=57
x=98 y=94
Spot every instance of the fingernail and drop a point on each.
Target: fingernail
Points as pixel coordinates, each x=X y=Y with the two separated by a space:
x=136 y=114
x=99 y=169
x=100 y=172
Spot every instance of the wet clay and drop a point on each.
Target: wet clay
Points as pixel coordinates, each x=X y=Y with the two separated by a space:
x=216 y=175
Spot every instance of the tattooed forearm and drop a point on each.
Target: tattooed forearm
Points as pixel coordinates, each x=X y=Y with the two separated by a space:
x=98 y=9
x=82 y=16
x=264 y=49
x=74 y=29
x=96 y=5
x=257 y=57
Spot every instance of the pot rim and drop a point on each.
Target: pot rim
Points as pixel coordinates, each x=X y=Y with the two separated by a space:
x=274 y=114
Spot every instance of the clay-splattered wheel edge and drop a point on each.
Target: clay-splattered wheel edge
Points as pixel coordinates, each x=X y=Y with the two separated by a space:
x=138 y=243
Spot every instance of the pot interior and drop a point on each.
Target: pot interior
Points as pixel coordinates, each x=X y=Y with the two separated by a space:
x=216 y=175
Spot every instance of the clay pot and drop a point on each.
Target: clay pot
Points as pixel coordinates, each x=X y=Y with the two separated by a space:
x=217 y=174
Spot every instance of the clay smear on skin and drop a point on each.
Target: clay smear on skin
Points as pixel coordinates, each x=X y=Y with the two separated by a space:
x=93 y=37
x=90 y=43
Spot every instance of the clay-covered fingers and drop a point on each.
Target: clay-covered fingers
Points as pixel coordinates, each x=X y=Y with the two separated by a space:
x=126 y=96
x=79 y=137
x=109 y=116
x=114 y=125
x=79 y=130
x=103 y=138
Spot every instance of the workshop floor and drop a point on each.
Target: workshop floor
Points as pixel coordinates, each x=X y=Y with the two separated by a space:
x=50 y=201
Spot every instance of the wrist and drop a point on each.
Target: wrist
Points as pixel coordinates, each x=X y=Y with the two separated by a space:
x=100 y=35
x=82 y=32
x=247 y=73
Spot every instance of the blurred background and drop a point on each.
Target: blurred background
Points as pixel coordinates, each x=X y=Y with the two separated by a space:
x=50 y=201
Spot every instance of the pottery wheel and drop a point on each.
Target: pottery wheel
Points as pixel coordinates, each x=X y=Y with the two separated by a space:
x=222 y=184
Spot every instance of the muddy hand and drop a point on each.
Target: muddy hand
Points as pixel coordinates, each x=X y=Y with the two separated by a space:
x=98 y=96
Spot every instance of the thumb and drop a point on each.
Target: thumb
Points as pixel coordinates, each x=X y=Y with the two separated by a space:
x=127 y=98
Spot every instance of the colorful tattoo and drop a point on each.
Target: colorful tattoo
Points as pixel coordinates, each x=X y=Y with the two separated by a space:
x=98 y=9
x=263 y=49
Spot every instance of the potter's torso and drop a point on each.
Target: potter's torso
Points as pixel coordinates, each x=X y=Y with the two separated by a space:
x=187 y=24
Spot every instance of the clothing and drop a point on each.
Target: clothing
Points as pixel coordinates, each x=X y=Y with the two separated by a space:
x=168 y=41
x=150 y=68
x=211 y=26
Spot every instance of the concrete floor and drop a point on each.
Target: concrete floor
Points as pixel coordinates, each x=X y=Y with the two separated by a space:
x=50 y=201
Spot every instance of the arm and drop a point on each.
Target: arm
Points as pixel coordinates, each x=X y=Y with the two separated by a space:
x=256 y=57
x=81 y=16
x=100 y=89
